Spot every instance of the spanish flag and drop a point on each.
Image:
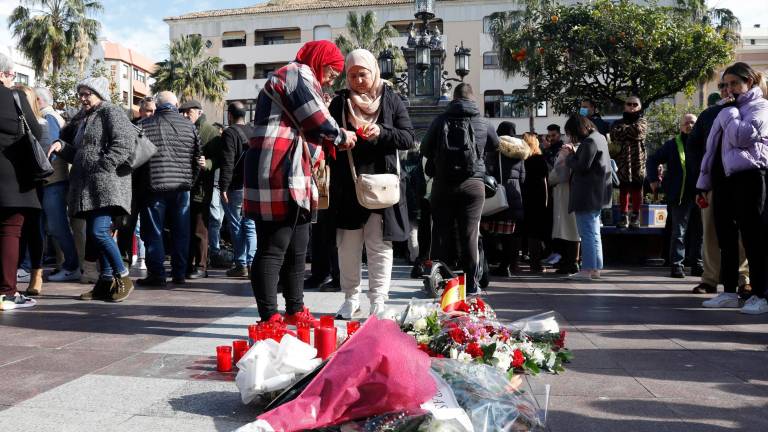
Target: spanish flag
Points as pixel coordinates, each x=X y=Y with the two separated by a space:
x=451 y=295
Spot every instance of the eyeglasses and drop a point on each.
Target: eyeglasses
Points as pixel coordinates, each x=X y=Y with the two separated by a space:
x=332 y=74
x=632 y=104
x=84 y=94
x=10 y=74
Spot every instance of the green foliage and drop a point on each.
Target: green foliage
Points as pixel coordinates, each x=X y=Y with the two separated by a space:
x=664 y=122
x=364 y=34
x=190 y=73
x=53 y=32
x=605 y=50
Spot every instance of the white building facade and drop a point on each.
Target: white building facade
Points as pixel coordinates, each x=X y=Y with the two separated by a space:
x=25 y=74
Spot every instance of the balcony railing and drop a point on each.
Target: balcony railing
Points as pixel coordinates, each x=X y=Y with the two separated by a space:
x=279 y=41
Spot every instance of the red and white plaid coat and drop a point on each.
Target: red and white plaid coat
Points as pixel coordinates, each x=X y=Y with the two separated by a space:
x=277 y=169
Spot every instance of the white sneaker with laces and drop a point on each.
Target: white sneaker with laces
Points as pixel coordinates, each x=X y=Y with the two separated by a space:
x=65 y=276
x=378 y=308
x=348 y=310
x=722 y=300
x=755 y=306
x=7 y=303
x=141 y=264
x=22 y=275
x=17 y=301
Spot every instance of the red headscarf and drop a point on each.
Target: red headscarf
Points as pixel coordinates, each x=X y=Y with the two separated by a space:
x=317 y=54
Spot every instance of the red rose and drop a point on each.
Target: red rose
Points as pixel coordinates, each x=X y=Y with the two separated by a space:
x=560 y=342
x=474 y=350
x=458 y=335
x=517 y=359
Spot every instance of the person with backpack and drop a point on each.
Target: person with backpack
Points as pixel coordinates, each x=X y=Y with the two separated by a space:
x=242 y=229
x=454 y=147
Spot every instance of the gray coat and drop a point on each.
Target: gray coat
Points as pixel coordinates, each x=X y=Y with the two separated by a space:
x=591 y=186
x=107 y=142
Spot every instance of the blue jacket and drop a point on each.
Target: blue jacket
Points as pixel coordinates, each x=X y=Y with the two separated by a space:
x=669 y=154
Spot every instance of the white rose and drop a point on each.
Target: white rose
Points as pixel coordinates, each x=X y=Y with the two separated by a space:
x=422 y=339
x=420 y=324
x=464 y=357
x=538 y=356
x=501 y=359
x=551 y=357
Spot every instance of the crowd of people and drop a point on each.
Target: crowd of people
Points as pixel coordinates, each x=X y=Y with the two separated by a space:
x=267 y=179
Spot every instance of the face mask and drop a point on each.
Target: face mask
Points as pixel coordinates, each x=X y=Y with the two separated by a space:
x=583 y=111
x=631 y=117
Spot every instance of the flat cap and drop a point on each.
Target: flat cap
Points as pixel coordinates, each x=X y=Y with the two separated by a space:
x=190 y=104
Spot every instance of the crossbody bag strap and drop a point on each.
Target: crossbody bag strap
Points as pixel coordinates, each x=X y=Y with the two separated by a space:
x=349 y=152
x=276 y=100
x=25 y=126
x=501 y=171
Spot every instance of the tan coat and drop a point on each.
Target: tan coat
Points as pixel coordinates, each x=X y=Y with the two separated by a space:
x=563 y=222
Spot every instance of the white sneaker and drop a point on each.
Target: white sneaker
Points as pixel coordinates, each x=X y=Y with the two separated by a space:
x=595 y=274
x=22 y=275
x=348 y=310
x=378 y=308
x=723 y=300
x=90 y=272
x=552 y=259
x=65 y=276
x=755 y=306
x=582 y=276
x=16 y=302
x=140 y=264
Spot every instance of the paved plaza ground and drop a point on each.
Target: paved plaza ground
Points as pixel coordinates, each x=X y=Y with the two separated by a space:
x=647 y=356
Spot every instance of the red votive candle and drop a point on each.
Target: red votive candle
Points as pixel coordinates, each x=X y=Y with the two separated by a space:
x=326 y=321
x=352 y=327
x=303 y=332
x=224 y=358
x=325 y=341
x=239 y=348
x=254 y=333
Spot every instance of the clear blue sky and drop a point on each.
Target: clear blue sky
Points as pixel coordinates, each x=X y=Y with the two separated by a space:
x=139 y=24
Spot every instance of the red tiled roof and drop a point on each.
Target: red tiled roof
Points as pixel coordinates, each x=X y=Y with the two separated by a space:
x=287 y=6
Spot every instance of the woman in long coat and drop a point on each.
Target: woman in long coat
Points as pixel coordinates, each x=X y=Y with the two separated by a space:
x=369 y=104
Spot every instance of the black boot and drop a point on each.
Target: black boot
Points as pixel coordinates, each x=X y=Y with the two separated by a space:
x=634 y=222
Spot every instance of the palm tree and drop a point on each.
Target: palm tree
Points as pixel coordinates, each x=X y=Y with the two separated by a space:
x=48 y=31
x=190 y=73
x=364 y=34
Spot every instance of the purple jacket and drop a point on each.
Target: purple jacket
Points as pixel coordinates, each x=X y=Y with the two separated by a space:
x=744 y=132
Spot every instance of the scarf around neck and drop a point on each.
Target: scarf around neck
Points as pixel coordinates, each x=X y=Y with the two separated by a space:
x=364 y=107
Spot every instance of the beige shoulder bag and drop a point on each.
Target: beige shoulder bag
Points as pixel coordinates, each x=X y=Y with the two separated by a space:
x=322 y=175
x=374 y=191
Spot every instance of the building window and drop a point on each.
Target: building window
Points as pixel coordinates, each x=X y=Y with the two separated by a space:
x=487 y=23
x=236 y=71
x=277 y=37
x=136 y=74
x=264 y=70
x=751 y=41
x=491 y=60
x=22 y=79
x=541 y=109
x=126 y=70
x=322 y=33
x=125 y=98
x=500 y=105
x=233 y=39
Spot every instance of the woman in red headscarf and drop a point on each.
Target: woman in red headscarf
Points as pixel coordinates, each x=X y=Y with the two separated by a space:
x=279 y=192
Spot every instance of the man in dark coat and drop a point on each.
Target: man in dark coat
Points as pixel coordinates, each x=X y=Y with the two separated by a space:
x=242 y=229
x=170 y=174
x=681 y=193
x=588 y=109
x=202 y=190
x=458 y=192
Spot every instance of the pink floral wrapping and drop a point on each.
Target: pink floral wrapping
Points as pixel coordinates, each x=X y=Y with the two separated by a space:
x=378 y=370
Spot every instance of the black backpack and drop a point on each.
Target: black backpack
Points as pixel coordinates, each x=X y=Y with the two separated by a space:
x=457 y=154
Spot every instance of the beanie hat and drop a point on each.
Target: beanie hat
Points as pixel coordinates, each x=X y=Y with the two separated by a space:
x=98 y=85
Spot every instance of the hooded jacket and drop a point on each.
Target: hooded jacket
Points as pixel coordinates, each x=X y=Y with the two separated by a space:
x=485 y=136
x=507 y=165
x=743 y=131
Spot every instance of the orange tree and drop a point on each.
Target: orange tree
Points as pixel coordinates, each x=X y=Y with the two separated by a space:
x=605 y=50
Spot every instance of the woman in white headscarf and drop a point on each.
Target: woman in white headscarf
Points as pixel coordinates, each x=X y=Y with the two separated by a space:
x=372 y=108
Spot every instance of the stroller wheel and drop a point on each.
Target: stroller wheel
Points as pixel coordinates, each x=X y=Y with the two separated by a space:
x=434 y=280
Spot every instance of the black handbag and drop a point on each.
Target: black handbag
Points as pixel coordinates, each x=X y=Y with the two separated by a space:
x=37 y=160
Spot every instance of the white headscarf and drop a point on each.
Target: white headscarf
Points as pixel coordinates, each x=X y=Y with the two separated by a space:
x=364 y=107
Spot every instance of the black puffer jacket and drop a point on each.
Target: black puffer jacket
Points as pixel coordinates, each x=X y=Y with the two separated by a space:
x=485 y=136
x=174 y=167
x=16 y=189
x=507 y=165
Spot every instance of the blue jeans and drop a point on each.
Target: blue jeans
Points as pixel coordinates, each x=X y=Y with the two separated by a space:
x=214 y=222
x=55 y=210
x=680 y=219
x=98 y=227
x=176 y=206
x=588 y=224
x=241 y=229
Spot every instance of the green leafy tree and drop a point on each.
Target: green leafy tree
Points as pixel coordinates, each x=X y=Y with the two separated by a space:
x=63 y=85
x=190 y=73
x=52 y=32
x=605 y=50
x=363 y=33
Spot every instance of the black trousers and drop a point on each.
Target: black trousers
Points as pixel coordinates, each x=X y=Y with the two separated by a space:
x=740 y=208
x=199 y=214
x=325 y=256
x=282 y=245
x=460 y=204
x=425 y=229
